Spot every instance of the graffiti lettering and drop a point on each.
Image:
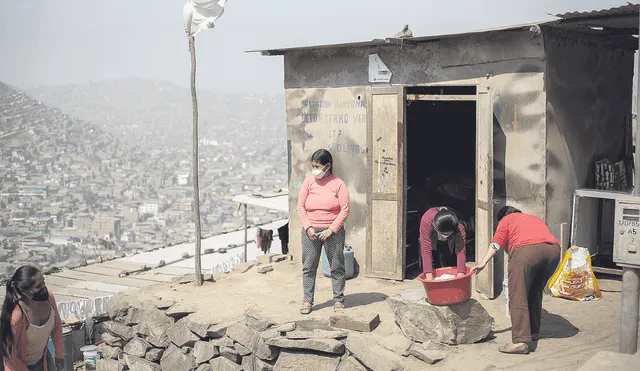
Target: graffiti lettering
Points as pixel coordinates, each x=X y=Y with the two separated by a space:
x=347 y=148
x=386 y=161
x=360 y=103
x=309 y=118
x=335 y=133
x=360 y=119
x=316 y=103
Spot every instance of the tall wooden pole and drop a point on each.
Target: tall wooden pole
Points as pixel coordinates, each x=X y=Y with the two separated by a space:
x=196 y=188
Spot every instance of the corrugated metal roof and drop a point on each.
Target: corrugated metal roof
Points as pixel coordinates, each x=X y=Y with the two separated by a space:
x=631 y=9
x=395 y=41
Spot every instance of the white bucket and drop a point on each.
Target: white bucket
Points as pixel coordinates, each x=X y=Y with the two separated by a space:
x=90 y=354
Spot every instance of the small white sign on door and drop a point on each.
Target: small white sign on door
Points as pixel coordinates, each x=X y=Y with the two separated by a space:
x=378 y=71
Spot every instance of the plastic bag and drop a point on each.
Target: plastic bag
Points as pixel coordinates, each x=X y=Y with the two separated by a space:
x=574 y=278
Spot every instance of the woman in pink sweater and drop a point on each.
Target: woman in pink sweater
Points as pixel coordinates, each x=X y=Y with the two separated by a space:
x=323 y=207
x=29 y=317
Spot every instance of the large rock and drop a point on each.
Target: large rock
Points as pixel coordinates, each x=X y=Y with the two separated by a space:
x=223 y=342
x=159 y=341
x=203 y=351
x=151 y=318
x=427 y=356
x=243 y=334
x=119 y=330
x=316 y=334
x=241 y=349
x=223 y=364
x=109 y=352
x=173 y=359
x=258 y=322
x=139 y=364
x=292 y=360
x=361 y=323
x=320 y=345
x=198 y=324
x=154 y=355
x=137 y=347
x=204 y=367
x=230 y=354
x=180 y=310
x=463 y=323
x=219 y=330
x=109 y=365
x=397 y=344
x=113 y=341
x=351 y=364
x=250 y=363
x=180 y=335
x=372 y=354
x=252 y=340
x=119 y=305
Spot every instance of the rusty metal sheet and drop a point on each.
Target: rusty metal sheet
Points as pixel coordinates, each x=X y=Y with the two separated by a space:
x=82 y=276
x=631 y=9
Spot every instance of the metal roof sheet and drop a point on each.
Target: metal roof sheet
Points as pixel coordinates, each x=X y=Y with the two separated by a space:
x=631 y=9
x=395 y=41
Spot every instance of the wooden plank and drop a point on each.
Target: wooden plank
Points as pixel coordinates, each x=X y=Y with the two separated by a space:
x=97 y=269
x=153 y=276
x=85 y=285
x=385 y=248
x=175 y=271
x=484 y=189
x=433 y=97
x=125 y=281
x=77 y=293
x=122 y=265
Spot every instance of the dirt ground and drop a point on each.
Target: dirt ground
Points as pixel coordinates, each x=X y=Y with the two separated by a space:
x=571 y=332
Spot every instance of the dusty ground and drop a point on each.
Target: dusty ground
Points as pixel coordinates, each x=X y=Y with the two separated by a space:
x=571 y=332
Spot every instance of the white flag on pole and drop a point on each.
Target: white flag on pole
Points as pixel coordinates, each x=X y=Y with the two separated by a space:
x=200 y=16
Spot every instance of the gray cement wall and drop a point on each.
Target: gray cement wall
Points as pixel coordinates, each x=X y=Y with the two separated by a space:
x=589 y=93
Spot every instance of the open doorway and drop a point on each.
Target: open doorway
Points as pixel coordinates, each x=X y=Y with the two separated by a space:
x=440 y=161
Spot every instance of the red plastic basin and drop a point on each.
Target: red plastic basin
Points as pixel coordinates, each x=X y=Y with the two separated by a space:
x=447 y=292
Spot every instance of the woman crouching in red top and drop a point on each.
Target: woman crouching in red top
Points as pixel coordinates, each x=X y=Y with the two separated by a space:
x=534 y=254
x=442 y=240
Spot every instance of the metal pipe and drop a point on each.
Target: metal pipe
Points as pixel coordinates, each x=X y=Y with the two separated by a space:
x=636 y=173
x=245 y=233
x=630 y=310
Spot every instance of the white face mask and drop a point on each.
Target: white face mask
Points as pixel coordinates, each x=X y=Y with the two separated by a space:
x=319 y=173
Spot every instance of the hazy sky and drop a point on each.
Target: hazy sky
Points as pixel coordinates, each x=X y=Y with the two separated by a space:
x=44 y=42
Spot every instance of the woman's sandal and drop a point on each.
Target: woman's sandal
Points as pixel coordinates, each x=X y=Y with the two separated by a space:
x=519 y=348
x=306 y=308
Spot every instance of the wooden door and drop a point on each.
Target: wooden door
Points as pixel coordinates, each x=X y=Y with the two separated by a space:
x=484 y=189
x=385 y=255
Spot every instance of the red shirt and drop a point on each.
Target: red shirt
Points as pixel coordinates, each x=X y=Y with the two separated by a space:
x=519 y=229
x=426 y=227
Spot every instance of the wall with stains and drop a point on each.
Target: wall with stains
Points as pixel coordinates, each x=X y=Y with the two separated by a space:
x=589 y=93
x=336 y=120
x=511 y=63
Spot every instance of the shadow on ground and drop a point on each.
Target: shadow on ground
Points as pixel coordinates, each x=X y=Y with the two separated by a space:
x=554 y=326
x=356 y=300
